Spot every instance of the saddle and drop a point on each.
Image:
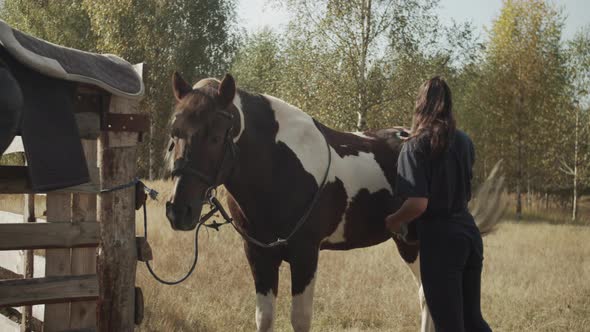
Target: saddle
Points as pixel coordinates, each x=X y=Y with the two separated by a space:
x=107 y=71
x=48 y=76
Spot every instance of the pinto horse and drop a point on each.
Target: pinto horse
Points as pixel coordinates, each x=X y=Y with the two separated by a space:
x=288 y=177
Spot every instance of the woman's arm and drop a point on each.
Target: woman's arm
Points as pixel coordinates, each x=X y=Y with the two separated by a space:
x=410 y=210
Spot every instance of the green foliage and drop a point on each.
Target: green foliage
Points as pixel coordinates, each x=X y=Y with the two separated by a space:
x=513 y=93
x=353 y=64
x=522 y=94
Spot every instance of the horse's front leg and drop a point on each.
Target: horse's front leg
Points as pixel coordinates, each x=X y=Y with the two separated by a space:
x=427 y=325
x=303 y=270
x=264 y=264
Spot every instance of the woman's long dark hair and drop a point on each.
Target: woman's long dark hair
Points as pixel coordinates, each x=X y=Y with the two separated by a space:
x=433 y=119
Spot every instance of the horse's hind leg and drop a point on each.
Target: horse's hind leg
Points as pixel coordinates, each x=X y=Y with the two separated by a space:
x=303 y=270
x=427 y=324
x=264 y=264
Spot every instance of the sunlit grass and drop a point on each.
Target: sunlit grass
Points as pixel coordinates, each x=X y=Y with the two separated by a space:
x=536 y=278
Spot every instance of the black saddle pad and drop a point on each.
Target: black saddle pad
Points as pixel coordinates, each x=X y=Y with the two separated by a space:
x=104 y=70
x=48 y=128
x=11 y=104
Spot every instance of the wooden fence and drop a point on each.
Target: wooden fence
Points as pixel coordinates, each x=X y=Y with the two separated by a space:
x=81 y=287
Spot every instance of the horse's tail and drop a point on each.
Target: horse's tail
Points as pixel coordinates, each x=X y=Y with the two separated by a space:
x=489 y=203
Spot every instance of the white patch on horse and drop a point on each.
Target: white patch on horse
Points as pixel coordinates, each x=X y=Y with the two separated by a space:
x=338 y=235
x=302 y=308
x=361 y=134
x=204 y=82
x=300 y=134
x=356 y=173
x=298 y=131
x=415 y=268
x=426 y=325
x=238 y=104
x=265 y=311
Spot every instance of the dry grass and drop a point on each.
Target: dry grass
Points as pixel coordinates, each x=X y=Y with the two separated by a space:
x=536 y=278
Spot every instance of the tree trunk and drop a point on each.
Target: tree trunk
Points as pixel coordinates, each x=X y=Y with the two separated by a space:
x=575 y=193
x=151 y=153
x=546 y=201
x=361 y=124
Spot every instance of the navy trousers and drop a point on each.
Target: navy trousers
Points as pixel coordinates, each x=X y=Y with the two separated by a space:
x=451 y=257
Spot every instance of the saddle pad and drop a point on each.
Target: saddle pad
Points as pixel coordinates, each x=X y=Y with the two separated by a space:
x=48 y=127
x=107 y=71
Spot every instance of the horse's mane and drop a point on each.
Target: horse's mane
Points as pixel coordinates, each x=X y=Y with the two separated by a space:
x=207 y=82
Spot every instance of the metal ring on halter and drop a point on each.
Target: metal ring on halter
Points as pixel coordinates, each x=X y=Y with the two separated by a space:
x=211 y=192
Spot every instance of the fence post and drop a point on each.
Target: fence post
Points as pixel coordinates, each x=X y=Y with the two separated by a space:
x=28 y=264
x=117 y=254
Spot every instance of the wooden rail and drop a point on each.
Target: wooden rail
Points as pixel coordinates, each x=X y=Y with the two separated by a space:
x=15 y=180
x=48 y=290
x=48 y=235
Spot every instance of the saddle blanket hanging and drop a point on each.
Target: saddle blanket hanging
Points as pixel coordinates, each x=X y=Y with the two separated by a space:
x=47 y=75
x=48 y=128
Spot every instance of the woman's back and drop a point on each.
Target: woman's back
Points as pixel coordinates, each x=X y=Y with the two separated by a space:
x=448 y=176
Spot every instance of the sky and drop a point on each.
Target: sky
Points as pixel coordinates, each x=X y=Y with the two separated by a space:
x=256 y=14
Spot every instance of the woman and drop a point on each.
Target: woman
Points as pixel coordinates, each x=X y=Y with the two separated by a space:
x=434 y=175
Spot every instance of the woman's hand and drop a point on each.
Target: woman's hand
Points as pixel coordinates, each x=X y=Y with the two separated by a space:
x=393 y=224
x=412 y=208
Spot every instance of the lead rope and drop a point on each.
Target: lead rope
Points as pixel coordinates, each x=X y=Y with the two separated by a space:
x=195 y=259
x=153 y=195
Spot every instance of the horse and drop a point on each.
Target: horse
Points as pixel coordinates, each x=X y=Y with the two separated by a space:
x=290 y=178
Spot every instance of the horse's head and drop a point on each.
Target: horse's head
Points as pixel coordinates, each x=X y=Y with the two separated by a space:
x=202 y=150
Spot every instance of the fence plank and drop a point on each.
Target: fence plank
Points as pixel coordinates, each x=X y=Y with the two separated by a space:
x=48 y=235
x=83 y=314
x=48 y=290
x=15 y=180
x=58 y=261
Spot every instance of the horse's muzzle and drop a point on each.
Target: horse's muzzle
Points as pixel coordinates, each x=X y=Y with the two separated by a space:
x=180 y=217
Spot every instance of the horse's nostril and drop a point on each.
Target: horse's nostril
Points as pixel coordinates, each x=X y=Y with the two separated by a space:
x=177 y=214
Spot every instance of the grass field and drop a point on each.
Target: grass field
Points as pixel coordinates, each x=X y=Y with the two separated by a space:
x=536 y=278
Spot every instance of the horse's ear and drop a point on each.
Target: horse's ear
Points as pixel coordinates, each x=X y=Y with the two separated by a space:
x=180 y=86
x=227 y=90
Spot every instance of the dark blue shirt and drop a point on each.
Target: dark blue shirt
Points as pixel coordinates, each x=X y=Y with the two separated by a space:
x=445 y=180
